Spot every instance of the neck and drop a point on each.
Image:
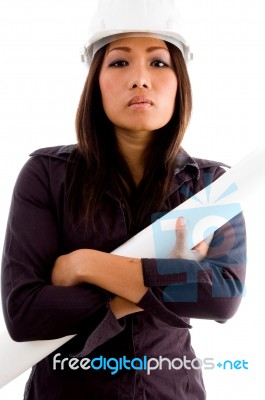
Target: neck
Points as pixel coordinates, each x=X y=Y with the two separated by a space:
x=132 y=146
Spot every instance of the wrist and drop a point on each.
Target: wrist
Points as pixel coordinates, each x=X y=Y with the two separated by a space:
x=83 y=264
x=121 y=307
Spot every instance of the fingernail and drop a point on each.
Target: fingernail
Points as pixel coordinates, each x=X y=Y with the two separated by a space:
x=181 y=222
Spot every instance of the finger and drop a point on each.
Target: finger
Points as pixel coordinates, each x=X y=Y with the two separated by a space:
x=209 y=239
x=181 y=237
x=180 y=223
x=203 y=246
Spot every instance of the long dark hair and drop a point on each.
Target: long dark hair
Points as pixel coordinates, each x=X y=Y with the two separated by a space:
x=98 y=165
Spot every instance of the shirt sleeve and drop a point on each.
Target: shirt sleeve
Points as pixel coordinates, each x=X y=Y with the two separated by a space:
x=33 y=308
x=210 y=289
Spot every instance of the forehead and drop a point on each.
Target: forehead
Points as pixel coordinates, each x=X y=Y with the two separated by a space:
x=143 y=43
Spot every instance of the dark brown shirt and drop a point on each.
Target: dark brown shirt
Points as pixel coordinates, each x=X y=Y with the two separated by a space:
x=39 y=230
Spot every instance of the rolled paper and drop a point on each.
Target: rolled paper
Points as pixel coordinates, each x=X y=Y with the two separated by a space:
x=204 y=213
x=17 y=357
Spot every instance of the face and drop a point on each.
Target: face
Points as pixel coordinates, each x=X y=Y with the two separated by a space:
x=138 y=84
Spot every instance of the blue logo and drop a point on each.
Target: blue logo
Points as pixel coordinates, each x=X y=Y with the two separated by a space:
x=233 y=365
x=208 y=214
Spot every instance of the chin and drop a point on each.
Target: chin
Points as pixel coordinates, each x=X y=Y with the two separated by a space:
x=145 y=127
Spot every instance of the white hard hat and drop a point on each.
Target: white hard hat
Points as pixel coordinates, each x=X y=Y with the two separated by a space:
x=121 y=18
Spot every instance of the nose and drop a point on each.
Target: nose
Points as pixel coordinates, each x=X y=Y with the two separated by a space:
x=140 y=83
x=140 y=79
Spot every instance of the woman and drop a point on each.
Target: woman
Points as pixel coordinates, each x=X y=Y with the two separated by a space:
x=72 y=205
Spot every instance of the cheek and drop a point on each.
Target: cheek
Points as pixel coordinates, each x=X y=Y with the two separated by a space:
x=169 y=87
x=110 y=96
x=173 y=87
x=103 y=85
x=106 y=88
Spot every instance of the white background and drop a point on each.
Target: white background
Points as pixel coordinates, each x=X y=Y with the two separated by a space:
x=40 y=83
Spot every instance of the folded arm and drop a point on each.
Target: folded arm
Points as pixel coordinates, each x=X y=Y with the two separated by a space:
x=33 y=307
x=120 y=275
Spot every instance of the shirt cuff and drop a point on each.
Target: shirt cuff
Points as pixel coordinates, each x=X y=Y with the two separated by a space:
x=151 y=304
x=153 y=276
x=107 y=329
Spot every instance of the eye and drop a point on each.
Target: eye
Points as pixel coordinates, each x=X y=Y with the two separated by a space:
x=159 y=64
x=119 y=64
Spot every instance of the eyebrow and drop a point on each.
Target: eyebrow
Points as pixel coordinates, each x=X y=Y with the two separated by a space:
x=128 y=49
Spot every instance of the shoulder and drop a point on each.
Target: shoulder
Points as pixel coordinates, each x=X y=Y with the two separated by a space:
x=52 y=161
x=45 y=167
x=56 y=152
x=187 y=165
x=204 y=163
x=192 y=174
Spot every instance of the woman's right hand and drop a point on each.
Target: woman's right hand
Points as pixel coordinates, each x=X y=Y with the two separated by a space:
x=181 y=249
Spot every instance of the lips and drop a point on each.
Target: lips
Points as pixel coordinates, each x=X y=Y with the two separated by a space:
x=138 y=100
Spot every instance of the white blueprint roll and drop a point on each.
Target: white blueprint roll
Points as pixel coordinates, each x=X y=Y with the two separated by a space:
x=204 y=213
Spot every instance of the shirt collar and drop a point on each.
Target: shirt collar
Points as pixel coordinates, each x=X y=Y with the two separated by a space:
x=184 y=160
